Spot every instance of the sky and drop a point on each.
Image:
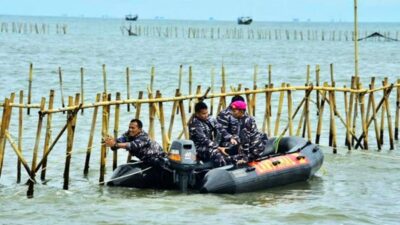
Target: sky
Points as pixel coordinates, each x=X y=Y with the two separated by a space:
x=260 y=10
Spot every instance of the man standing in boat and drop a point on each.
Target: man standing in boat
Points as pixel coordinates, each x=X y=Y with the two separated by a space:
x=204 y=132
x=137 y=142
x=250 y=139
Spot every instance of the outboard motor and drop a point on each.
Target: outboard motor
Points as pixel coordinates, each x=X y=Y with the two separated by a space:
x=182 y=158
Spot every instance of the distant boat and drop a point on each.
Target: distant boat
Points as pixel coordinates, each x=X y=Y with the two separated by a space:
x=131 y=17
x=245 y=20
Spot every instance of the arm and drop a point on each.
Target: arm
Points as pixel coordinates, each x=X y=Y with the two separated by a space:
x=198 y=136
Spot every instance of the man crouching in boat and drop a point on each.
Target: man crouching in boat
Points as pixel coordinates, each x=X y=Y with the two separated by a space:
x=251 y=140
x=204 y=131
x=138 y=143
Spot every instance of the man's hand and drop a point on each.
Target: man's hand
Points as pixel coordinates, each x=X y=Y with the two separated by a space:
x=222 y=150
x=109 y=141
x=233 y=141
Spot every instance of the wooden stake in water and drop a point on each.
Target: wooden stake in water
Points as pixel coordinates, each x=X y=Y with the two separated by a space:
x=48 y=136
x=290 y=105
x=389 y=118
x=165 y=141
x=61 y=87
x=104 y=78
x=397 y=120
x=20 y=131
x=317 y=72
x=5 y=118
x=91 y=136
x=320 y=115
x=212 y=91
x=128 y=88
x=152 y=78
x=372 y=105
x=190 y=87
x=116 y=129
x=174 y=108
x=278 y=115
x=104 y=133
x=35 y=150
x=30 y=87
x=82 y=89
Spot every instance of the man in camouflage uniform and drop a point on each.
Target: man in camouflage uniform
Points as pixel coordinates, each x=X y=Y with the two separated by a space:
x=252 y=141
x=137 y=142
x=204 y=132
x=229 y=123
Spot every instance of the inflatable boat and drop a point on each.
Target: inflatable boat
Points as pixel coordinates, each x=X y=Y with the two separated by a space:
x=284 y=161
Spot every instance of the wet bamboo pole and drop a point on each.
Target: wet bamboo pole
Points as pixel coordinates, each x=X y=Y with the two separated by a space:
x=307 y=118
x=116 y=129
x=266 y=115
x=5 y=118
x=317 y=76
x=183 y=117
x=104 y=78
x=18 y=152
x=61 y=87
x=389 y=119
x=165 y=140
x=248 y=100
x=253 y=99
x=279 y=112
x=350 y=112
x=320 y=115
x=128 y=88
x=382 y=126
x=397 y=119
x=47 y=136
x=31 y=181
x=361 y=100
x=175 y=107
x=332 y=121
x=152 y=74
x=180 y=77
x=290 y=105
x=70 y=140
x=212 y=91
x=30 y=86
x=82 y=88
x=371 y=106
x=190 y=87
x=346 y=110
x=91 y=136
x=137 y=116
x=20 y=131
x=151 y=117
x=104 y=132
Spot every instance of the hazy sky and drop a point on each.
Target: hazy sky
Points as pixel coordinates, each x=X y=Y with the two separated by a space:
x=261 y=10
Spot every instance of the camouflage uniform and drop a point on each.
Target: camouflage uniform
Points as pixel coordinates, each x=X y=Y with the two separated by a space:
x=251 y=140
x=229 y=123
x=141 y=146
x=205 y=135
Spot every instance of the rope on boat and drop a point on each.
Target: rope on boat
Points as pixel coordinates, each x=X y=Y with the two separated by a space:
x=117 y=178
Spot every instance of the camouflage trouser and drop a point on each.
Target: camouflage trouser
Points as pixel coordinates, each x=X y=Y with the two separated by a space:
x=220 y=159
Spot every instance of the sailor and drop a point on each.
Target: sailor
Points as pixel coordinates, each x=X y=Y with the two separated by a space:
x=250 y=139
x=138 y=143
x=205 y=132
x=229 y=123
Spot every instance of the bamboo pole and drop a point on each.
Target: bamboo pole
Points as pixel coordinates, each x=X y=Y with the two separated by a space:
x=30 y=86
x=151 y=117
x=171 y=121
x=383 y=111
x=190 y=87
x=347 y=124
x=351 y=104
x=180 y=77
x=279 y=112
x=137 y=116
x=253 y=99
x=20 y=131
x=18 y=152
x=91 y=136
x=355 y=40
x=35 y=150
x=48 y=136
x=61 y=87
x=332 y=121
x=104 y=78
x=361 y=100
x=212 y=90
x=389 y=119
x=128 y=88
x=266 y=114
x=165 y=141
x=307 y=117
x=82 y=88
x=320 y=115
x=290 y=105
x=372 y=106
x=70 y=139
x=152 y=74
x=397 y=119
x=183 y=116
x=116 y=129
x=104 y=132
x=5 y=118
x=248 y=100
x=317 y=75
